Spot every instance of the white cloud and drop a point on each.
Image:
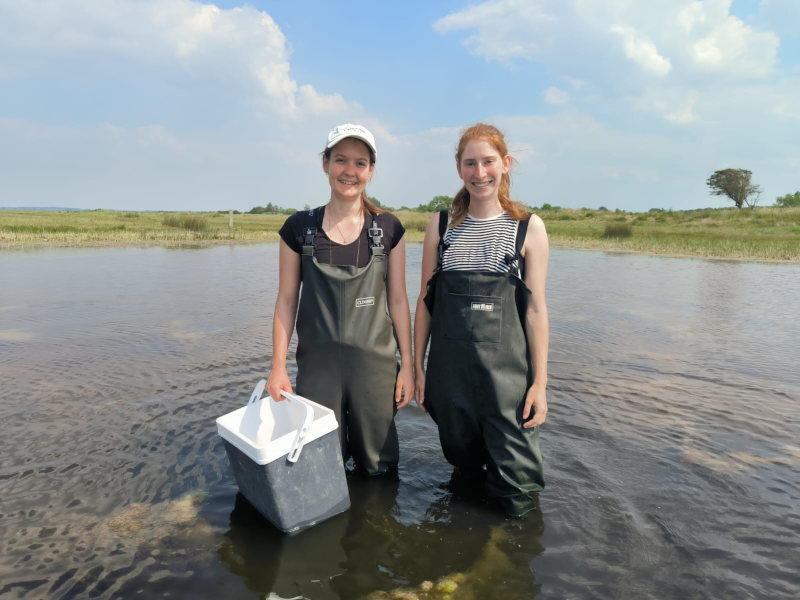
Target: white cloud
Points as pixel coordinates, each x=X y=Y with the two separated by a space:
x=690 y=16
x=674 y=105
x=673 y=89
x=325 y=104
x=602 y=165
x=735 y=47
x=555 y=96
x=718 y=41
x=507 y=29
x=642 y=51
x=152 y=168
x=683 y=114
x=198 y=108
x=665 y=60
x=182 y=41
x=158 y=137
x=577 y=84
x=679 y=37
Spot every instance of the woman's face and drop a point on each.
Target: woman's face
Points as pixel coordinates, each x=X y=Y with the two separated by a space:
x=348 y=169
x=481 y=168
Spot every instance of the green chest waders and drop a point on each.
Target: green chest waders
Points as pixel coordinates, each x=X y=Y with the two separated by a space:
x=479 y=371
x=346 y=352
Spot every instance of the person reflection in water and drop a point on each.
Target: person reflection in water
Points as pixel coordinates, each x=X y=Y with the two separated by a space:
x=482 y=307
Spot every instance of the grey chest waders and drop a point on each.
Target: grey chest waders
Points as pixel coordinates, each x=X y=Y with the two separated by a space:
x=346 y=351
x=479 y=371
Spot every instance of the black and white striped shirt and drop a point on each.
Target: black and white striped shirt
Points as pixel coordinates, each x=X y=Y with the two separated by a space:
x=480 y=244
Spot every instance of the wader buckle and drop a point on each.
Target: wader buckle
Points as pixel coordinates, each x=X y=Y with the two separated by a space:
x=443 y=246
x=375 y=234
x=308 y=235
x=512 y=260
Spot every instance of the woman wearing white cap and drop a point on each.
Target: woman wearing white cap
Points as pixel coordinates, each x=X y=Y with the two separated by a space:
x=350 y=257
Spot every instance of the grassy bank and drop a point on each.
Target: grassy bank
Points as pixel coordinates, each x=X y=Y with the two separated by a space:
x=763 y=233
x=102 y=228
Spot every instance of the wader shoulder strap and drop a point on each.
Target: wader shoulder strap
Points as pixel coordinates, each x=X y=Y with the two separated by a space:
x=430 y=294
x=442 y=223
x=443 y=215
x=522 y=231
x=312 y=221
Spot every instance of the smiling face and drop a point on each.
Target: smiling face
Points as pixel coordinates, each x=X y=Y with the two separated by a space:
x=481 y=168
x=348 y=168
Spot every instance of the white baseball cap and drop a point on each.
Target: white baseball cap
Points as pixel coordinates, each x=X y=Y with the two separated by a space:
x=347 y=130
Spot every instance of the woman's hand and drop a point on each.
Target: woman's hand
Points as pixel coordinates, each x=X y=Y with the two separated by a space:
x=404 y=388
x=536 y=403
x=278 y=380
x=419 y=392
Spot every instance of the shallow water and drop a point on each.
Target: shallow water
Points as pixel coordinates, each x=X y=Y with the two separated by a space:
x=671 y=447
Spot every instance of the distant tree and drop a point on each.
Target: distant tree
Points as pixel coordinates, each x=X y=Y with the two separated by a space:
x=438 y=203
x=788 y=200
x=272 y=209
x=736 y=185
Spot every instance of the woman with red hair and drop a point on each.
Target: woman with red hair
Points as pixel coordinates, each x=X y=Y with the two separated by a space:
x=482 y=307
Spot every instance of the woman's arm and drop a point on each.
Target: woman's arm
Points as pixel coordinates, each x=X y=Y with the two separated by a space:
x=401 y=318
x=283 y=319
x=537 y=327
x=422 y=318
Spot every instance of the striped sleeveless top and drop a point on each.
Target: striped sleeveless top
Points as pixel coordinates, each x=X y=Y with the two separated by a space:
x=480 y=244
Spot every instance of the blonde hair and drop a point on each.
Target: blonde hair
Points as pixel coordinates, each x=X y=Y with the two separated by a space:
x=366 y=204
x=495 y=138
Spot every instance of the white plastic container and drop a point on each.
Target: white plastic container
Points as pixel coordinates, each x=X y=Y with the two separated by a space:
x=286 y=459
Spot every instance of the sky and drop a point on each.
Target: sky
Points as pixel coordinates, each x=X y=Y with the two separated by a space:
x=200 y=105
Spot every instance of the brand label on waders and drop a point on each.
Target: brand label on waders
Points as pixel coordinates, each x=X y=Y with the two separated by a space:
x=484 y=306
x=368 y=301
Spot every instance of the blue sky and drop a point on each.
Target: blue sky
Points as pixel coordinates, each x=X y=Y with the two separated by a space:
x=189 y=105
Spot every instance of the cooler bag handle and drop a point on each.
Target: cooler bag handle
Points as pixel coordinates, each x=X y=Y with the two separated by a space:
x=259 y=389
x=300 y=438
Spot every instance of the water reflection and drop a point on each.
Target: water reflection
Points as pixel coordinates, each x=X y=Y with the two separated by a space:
x=461 y=544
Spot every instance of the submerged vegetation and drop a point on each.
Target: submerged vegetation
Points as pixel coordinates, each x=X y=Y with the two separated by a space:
x=760 y=233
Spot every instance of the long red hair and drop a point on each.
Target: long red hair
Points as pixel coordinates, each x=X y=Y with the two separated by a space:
x=496 y=139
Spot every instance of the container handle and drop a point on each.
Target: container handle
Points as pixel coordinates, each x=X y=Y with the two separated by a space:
x=300 y=438
x=259 y=389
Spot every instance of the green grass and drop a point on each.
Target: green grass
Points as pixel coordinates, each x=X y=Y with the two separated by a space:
x=102 y=227
x=190 y=222
x=762 y=233
x=767 y=233
x=618 y=230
